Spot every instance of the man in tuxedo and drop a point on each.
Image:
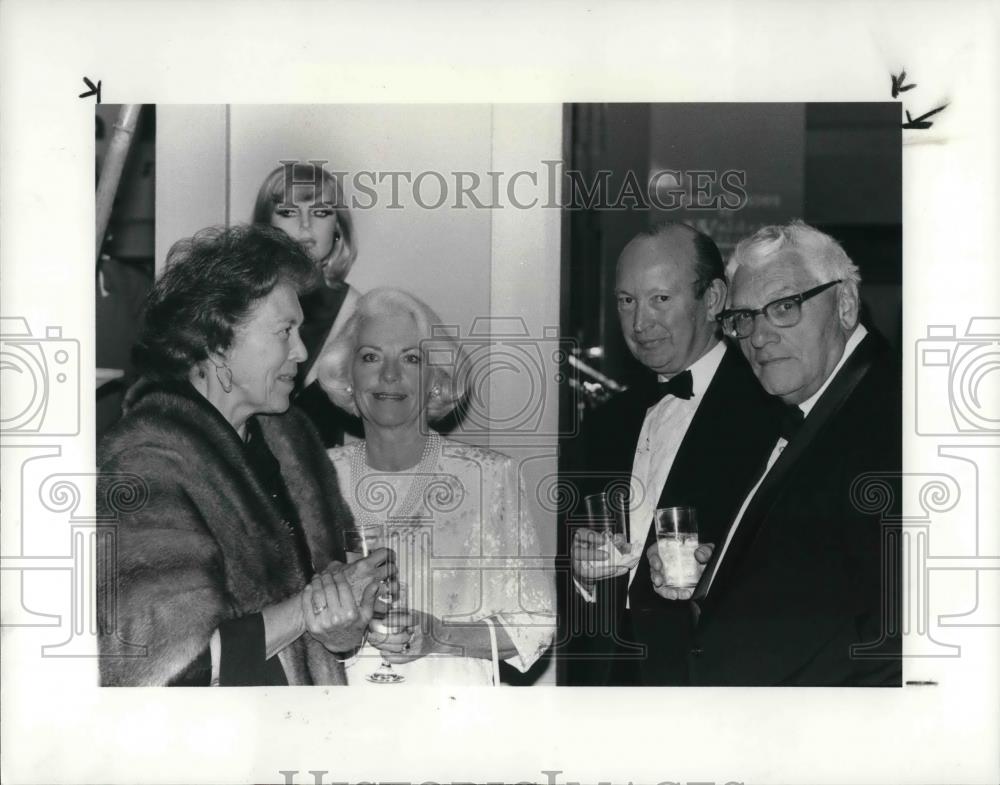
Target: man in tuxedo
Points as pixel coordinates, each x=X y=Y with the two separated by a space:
x=694 y=435
x=805 y=589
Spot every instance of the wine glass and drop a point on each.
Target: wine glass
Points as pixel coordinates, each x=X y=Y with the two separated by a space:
x=396 y=620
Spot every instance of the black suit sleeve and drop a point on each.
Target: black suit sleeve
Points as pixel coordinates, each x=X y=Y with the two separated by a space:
x=599 y=457
x=243 y=662
x=872 y=548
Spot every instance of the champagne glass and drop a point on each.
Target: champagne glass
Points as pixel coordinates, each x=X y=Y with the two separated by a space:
x=676 y=542
x=358 y=543
x=396 y=620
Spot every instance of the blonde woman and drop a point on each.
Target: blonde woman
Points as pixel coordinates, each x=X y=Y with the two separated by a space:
x=455 y=514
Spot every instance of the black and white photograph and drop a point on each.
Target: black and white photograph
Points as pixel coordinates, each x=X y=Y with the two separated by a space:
x=742 y=570
x=206 y=570
x=323 y=283
x=398 y=382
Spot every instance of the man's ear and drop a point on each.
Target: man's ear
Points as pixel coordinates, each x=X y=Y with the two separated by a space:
x=848 y=306
x=715 y=298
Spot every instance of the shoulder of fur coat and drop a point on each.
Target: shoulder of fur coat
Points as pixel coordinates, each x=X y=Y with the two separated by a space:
x=197 y=540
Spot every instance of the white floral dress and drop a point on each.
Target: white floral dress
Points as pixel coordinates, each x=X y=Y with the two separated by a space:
x=466 y=546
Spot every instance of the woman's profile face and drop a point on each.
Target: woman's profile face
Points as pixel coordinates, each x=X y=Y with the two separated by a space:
x=266 y=352
x=315 y=227
x=391 y=383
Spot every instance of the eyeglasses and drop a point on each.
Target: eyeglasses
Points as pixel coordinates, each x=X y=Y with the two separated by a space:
x=785 y=312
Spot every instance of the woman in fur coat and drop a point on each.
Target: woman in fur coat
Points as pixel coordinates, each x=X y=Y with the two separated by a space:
x=227 y=563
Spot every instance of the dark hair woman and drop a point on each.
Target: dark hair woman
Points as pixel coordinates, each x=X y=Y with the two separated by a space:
x=228 y=558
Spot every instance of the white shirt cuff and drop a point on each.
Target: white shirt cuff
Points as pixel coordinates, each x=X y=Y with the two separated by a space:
x=215 y=650
x=587 y=595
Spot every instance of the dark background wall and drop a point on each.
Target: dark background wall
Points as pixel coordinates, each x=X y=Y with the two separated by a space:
x=837 y=166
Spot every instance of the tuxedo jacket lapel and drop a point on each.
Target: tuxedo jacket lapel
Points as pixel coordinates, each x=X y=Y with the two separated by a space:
x=731 y=433
x=718 y=415
x=687 y=474
x=833 y=398
x=708 y=458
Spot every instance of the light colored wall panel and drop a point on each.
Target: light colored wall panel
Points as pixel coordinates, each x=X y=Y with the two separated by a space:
x=468 y=262
x=525 y=285
x=442 y=255
x=191 y=163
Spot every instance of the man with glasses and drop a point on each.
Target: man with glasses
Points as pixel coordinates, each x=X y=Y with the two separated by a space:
x=695 y=434
x=804 y=590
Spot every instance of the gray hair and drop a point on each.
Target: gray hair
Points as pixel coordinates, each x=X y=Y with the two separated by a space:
x=333 y=367
x=820 y=253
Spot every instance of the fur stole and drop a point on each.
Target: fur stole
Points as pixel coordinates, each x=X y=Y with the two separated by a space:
x=197 y=539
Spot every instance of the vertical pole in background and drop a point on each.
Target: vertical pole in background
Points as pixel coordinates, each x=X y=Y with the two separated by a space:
x=111 y=171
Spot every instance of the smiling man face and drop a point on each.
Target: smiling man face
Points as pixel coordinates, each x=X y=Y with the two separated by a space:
x=666 y=324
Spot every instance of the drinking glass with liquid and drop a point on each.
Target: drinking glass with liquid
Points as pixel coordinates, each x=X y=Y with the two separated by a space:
x=398 y=619
x=676 y=542
x=606 y=516
x=360 y=542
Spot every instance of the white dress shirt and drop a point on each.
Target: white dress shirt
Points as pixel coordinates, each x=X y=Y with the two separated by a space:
x=660 y=438
x=806 y=406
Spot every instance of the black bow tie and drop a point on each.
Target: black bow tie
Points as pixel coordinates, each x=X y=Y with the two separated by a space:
x=790 y=422
x=680 y=386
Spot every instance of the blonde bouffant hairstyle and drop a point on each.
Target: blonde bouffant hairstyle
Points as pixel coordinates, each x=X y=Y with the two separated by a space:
x=273 y=192
x=442 y=356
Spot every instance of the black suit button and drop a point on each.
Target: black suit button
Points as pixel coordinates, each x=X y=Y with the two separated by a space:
x=696 y=652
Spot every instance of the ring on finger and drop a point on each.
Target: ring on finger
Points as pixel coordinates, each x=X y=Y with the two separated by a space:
x=317 y=610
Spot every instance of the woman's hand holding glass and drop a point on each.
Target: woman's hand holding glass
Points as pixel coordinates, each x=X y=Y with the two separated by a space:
x=374 y=572
x=421 y=636
x=383 y=638
x=392 y=629
x=339 y=602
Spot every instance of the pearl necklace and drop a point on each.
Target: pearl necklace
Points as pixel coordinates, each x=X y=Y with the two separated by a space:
x=375 y=499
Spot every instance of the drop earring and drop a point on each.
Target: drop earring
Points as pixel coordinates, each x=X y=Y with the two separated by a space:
x=225 y=377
